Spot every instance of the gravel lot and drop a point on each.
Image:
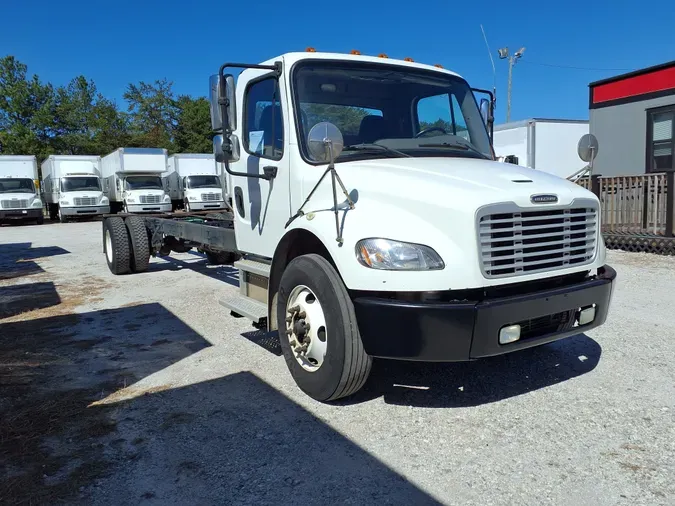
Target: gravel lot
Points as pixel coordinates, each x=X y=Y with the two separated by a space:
x=142 y=389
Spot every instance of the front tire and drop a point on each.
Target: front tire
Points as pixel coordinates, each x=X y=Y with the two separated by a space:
x=341 y=366
x=117 y=245
x=61 y=216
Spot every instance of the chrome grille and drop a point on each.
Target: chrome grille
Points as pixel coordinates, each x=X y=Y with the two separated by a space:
x=514 y=242
x=14 y=204
x=84 y=201
x=150 y=199
x=210 y=196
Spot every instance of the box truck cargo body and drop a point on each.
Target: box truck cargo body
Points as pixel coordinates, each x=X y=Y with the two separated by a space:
x=549 y=145
x=193 y=183
x=132 y=180
x=19 y=197
x=71 y=186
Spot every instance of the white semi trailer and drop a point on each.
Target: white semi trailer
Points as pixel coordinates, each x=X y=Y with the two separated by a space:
x=19 y=189
x=373 y=220
x=132 y=180
x=71 y=187
x=193 y=182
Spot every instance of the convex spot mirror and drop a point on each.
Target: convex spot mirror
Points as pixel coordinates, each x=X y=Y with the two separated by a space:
x=325 y=142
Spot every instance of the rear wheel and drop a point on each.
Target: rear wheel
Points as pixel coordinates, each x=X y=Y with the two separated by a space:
x=318 y=331
x=117 y=245
x=140 y=245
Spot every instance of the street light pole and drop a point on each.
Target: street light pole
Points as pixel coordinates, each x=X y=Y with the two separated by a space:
x=504 y=54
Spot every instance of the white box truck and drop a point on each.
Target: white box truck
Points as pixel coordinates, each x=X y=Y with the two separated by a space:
x=549 y=145
x=71 y=187
x=19 y=189
x=132 y=180
x=372 y=220
x=193 y=182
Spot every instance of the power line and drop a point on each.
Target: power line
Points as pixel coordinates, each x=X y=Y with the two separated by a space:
x=574 y=67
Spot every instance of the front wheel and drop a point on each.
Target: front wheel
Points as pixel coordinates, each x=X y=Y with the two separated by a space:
x=318 y=331
x=188 y=209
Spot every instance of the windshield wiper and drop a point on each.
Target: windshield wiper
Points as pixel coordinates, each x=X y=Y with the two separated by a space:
x=454 y=145
x=370 y=147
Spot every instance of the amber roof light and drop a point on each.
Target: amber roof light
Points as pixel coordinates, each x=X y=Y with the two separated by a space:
x=408 y=58
x=310 y=50
x=355 y=51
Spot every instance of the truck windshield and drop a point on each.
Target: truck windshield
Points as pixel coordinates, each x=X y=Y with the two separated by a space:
x=80 y=184
x=143 y=183
x=387 y=111
x=17 y=186
x=203 y=182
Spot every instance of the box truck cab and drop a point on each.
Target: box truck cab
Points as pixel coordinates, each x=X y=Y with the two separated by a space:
x=19 y=189
x=133 y=180
x=193 y=183
x=71 y=186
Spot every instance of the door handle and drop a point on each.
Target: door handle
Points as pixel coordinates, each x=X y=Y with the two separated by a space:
x=270 y=172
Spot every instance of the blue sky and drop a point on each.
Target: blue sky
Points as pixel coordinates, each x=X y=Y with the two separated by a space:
x=115 y=43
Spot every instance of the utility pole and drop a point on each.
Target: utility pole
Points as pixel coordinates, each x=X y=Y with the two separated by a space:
x=504 y=54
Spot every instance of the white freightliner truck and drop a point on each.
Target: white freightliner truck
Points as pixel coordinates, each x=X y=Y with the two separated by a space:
x=372 y=220
x=19 y=189
x=193 y=182
x=71 y=187
x=132 y=180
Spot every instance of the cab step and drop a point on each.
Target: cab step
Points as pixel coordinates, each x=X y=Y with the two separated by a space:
x=247 y=307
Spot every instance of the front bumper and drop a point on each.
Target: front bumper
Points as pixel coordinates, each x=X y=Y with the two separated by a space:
x=466 y=330
x=149 y=208
x=21 y=214
x=205 y=206
x=85 y=210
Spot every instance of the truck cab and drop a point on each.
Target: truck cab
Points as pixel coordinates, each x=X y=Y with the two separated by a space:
x=193 y=182
x=19 y=190
x=370 y=218
x=71 y=187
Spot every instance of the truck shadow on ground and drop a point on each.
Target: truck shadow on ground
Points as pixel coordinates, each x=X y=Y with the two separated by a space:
x=18 y=259
x=89 y=414
x=19 y=299
x=198 y=263
x=465 y=384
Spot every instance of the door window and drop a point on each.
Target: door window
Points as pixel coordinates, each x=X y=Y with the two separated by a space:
x=263 y=125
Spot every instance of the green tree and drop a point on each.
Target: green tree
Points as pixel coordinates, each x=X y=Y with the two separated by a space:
x=193 y=133
x=153 y=112
x=26 y=111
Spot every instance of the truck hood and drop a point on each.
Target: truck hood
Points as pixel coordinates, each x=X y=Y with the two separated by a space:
x=435 y=202
x=18 y=196
x=459 y=182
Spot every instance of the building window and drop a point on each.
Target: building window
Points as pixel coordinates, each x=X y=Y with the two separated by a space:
x=660 y=139
x=263 y=125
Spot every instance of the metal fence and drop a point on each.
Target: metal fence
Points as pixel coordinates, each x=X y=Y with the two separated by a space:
x=633 y=204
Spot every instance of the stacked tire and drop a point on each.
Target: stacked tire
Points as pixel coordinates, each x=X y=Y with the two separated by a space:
x=126 y=244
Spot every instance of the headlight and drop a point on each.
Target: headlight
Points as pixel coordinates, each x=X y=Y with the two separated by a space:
x=64 y=202
x=192 y=197
x=37 y=203
x=129 y=199
x=167 y=198
x=385 y=254
x=104 y=200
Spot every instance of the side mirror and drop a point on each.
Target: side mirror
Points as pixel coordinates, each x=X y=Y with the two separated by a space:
x=226 y=149
x=325 y=142
x=222 y=102
x=486 y=111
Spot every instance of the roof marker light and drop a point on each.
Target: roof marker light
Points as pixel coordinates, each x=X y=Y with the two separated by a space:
x=408 y=58
x=310 y=50
x=382 y=55
x=438 y=65
x=355 y=51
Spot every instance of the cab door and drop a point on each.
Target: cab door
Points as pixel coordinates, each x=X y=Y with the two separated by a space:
x=261 y=206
